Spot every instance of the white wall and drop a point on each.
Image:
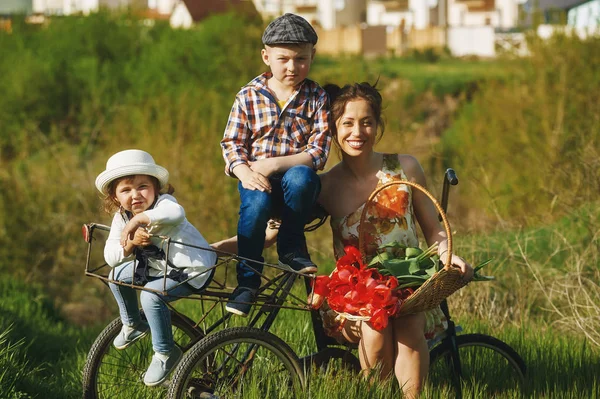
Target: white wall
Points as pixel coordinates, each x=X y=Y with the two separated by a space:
x=326 y=12
x=420 y=10
x=162 y=6
x=505 y=15
x=472 y=41
x=586 y=15
x=376 y=16
x=181 y=18
x=509 y=13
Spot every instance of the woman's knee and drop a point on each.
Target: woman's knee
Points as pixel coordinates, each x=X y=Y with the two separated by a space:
x=409 y=330
x=375 y=342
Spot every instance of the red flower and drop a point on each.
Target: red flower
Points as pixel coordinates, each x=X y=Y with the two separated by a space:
x=321 y=285
x=379 y=320
x=356 y=289
x=351 y=258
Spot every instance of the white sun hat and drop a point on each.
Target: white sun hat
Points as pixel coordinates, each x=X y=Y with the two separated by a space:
x=127 y=163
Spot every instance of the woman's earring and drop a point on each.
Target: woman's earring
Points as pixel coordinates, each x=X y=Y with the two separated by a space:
x=121 y=209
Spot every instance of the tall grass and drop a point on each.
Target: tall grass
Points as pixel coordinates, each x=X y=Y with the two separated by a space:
x=38 y=349
x=527 y=146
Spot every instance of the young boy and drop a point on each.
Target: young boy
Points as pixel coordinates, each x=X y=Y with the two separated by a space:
x=276 y=138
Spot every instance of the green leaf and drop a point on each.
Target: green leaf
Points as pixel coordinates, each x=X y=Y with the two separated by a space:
x=393 y=244
x=414 y=266
x=482 y=264
x=413 y=252
x=397 y=267
x=412 y=284
x=478 y=277
x=380 y=258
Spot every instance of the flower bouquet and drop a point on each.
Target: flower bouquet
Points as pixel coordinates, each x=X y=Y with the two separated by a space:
x=377 y=291
x=359 y=292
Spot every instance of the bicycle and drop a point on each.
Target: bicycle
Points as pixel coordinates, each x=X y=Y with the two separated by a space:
x=237 y=358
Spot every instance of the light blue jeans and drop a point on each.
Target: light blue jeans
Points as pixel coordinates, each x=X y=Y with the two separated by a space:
x=154 y=305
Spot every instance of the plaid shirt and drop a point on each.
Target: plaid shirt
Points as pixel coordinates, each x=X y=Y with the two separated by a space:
x=258 y=128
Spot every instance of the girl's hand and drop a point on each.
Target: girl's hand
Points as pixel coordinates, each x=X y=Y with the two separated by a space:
x=129 y=232
x=457 y=261
x=141 y=238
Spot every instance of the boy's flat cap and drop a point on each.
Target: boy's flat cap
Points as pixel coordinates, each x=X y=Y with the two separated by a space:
x=289 y=29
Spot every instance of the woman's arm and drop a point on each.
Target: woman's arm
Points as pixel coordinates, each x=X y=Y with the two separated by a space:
x=229 y=245
x=427 y=215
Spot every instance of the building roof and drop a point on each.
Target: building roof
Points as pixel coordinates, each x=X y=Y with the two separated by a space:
x=200 y=9
x=479 y=5
x=396 y=5
x=548 y=4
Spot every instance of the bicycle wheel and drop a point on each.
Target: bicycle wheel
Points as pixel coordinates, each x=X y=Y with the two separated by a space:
x=113 y=373
x=236 y=363
x=485 y=367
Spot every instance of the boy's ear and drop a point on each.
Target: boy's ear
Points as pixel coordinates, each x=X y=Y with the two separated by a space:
x=265 y=56
x=312 y=54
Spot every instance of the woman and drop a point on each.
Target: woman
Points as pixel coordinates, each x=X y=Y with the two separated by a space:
x=401 y=347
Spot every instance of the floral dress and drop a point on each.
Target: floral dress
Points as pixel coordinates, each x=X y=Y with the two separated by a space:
x=388 y=218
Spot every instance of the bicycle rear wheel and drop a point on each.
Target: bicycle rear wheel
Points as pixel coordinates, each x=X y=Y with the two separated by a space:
x=238 y=362
x=113 y=373
x=485 y=367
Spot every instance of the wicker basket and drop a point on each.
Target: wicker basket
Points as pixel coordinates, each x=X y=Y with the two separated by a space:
x=438 y=287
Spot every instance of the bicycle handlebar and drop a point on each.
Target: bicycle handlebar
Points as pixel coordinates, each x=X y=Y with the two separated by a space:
x=450 y=178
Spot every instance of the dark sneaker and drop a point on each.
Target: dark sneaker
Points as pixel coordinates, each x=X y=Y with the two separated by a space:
x=161 y=366
x=298 y=262
x=239 y=295
x=128 y=335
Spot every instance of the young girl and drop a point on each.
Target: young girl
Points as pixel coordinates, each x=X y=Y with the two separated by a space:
x=131 y=186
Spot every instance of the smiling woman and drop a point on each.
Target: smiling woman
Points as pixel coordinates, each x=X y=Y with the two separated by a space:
x=399 y=346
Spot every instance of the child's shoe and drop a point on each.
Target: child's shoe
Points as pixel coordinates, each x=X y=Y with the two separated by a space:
x=298 y=261
x=161 y=366
x=128 y=335
x=241 y=294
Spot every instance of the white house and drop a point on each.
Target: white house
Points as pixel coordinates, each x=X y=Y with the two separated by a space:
x=500 y=14
x=585 y=16
x=328 y=14
x=421 y=14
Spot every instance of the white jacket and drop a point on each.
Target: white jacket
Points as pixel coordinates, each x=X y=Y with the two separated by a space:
x=167 y=218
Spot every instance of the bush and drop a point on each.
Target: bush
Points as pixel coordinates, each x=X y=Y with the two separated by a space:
x=528 y=147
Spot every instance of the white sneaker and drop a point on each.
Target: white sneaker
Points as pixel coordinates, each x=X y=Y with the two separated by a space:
x=161 y=366
x=129 y=335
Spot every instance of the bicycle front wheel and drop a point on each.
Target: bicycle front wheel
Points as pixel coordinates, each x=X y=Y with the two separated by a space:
x=237 y=363
x=482 y=366
x=113 y=373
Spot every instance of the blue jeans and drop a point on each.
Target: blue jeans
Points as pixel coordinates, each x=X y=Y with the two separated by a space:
x=292 y=198
x=156 y=311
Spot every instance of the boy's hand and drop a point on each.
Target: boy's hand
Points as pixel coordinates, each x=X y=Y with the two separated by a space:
x=252 y=180
x=265 y=167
